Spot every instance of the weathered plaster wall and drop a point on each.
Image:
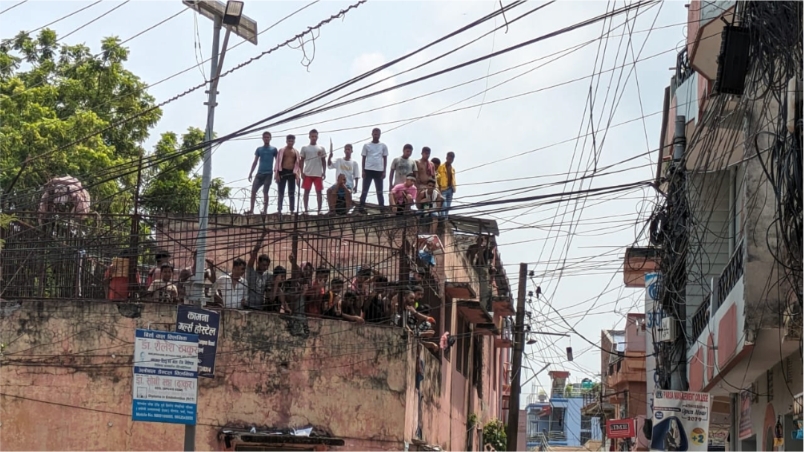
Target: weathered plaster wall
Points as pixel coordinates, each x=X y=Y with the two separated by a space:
x=66 y=372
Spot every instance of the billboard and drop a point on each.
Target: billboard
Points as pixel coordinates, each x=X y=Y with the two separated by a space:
x=165 y=384
x=621 y=428
x=653 y=321
x=680 y=421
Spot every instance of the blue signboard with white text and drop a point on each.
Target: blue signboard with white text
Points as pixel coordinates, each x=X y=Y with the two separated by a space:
x=165 y=386
x=206 y=325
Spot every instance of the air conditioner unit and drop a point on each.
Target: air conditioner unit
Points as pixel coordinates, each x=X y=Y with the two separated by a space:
x=667 y=333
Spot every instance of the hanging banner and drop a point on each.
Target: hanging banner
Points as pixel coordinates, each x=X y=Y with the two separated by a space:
x=653 y=321
x=746 y=430
x=621 y=428
x=205 y=324
x=680 y=421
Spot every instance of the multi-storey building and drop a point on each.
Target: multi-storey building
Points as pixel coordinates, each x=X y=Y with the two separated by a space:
x=281 y=382
x=621 y=394
x=731 y=228
x=559 y=421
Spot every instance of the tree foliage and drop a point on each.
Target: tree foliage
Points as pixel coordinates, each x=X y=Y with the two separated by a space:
x=53 y=94
x=170 y=185
x=494 y=435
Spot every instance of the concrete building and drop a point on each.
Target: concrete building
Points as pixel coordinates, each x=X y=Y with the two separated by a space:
x=67 y=351
x=559 y=420
x=621 y=394
x=739 y=104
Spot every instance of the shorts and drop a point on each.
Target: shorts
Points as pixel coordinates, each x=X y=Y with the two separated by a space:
x=309 y=181
x=262 y=180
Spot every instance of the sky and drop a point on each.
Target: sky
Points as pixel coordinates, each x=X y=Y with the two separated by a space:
x=519 y=123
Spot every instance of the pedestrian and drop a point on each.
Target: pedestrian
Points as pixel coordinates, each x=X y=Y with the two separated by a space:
x=313 y=163
x=375 y=162
x=446 y=181
x=265 y=156
x=287 y=173
x=404 y=195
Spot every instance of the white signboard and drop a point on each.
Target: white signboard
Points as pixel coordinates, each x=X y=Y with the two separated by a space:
x=165 y=377
x=680 y=421
x=653 y=322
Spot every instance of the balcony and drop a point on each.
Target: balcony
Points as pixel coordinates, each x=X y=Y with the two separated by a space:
x=700 y=320
x=506 y=337
x=624 y=371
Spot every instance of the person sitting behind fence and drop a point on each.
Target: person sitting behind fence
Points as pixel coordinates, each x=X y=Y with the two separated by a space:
x=377 y=307
x=339 y=197
x=350 y=308
x=162 y=257
x=164 y=290
x=331 y=299
x=276 y=298
x=231 y=290
x=430 y=200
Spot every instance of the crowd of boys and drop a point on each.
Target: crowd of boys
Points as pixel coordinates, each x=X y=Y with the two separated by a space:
x=368 y=297
x=427 y=183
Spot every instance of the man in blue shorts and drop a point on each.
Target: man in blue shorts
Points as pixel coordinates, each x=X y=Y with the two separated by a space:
x=265 y=155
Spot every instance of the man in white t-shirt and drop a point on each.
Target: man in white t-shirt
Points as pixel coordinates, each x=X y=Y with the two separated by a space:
x=231 y=290
x=402 y=166
x=375 y=161
x=313 y=163
x=345 y=166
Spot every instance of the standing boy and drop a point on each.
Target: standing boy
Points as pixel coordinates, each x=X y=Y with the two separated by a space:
x=265 y=156
x=375 y=161
x=313 y=163
x=286 y=173
x=446 y=181
x=402 y=166
x=345 y=166
x=424 y=169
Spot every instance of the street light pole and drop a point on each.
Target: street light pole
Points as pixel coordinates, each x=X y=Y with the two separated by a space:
x=230 y=14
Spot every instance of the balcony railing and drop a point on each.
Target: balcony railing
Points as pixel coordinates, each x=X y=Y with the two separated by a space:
x=701 y=318
x=728 y=279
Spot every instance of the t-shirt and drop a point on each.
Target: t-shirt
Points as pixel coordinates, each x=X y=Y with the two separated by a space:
x=164 y=291
x=399 y=189
x=257 y=282
x=431 y=199
x=312 y=155
x=267 y=155
x=349 y=169
x=374 y=152
x=231 y=292
x=402 y=167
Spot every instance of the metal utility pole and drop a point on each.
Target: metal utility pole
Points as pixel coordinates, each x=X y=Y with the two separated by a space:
x=519 y=348
x=231 y=16
x=677 y=279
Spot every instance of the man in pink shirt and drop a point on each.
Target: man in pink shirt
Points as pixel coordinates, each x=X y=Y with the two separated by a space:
x=404 y=195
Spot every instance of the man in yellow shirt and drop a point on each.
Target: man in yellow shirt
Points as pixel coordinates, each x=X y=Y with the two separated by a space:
x=446 y=181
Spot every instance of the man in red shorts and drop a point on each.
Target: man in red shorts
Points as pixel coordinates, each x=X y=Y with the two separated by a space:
x=314 y=165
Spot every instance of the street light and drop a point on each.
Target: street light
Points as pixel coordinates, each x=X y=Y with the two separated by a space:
x=233 y=12
x=231 y=16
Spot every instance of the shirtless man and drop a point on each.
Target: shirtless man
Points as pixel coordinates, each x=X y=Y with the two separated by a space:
x=286 y=173
x=424 y=169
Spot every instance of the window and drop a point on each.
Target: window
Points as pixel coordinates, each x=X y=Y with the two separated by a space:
x=463 y=344
x=586 y=423
x=585 y=436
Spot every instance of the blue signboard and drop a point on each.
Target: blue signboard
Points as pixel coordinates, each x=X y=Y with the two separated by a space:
x=165 y=384
x=205 y=324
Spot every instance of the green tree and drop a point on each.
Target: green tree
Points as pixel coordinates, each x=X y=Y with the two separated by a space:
x=494 y=435
x=169 y=185
x=52 y=94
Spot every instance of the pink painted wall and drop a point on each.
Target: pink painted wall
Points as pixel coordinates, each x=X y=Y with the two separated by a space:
x=66 y=379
